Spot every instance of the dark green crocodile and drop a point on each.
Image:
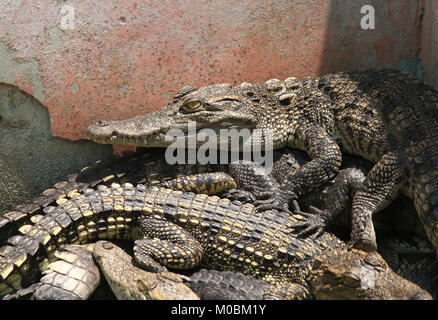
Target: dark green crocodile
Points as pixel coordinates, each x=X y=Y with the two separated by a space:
x=385 y=116
x=182 y=230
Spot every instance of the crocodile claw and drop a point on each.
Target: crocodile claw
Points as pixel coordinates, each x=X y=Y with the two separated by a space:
x=274 y=203
x=315 y=224
x=265 y=205
x=237 y=195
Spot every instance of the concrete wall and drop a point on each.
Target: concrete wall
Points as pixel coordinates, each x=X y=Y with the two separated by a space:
x=429 y=53
x=31 y=160
x=125 y=58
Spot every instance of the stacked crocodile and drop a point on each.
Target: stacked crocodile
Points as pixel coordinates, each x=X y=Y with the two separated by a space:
x=312 y=114
x=385 y=116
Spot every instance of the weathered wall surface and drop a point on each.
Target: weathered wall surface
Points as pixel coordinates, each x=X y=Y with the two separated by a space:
x=31 y=160
x=85 y=60
x=394 y=43
x=430 y=42
x=124 y=58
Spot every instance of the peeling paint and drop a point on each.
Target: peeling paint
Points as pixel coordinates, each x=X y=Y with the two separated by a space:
x=25 y=75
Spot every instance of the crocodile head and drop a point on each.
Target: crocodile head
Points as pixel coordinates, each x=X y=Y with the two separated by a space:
x=215 y=107
x=360 y=275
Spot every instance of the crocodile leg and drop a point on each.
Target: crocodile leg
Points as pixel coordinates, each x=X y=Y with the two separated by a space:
x=326 y=161
x=340 y=193
x=253 y=182
x=168 y=244
x=382 y=184
x=203 y=183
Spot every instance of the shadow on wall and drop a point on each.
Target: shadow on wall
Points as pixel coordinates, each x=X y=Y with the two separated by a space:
x=395 y=42
x=31 y=160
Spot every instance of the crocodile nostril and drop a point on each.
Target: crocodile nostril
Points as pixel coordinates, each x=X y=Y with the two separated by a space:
x=102 y=123
x=107 y=245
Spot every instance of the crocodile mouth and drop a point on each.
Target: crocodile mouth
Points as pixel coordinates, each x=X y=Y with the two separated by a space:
x=112 y=132
x=129 y=140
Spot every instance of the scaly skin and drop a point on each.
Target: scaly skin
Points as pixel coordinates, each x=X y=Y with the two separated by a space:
x=184 y=230
x=73 y=276
x=129 y=282
x=411 y=261
x=413 y=258
x=385 y=116
x=227 y=285
x=144 y=166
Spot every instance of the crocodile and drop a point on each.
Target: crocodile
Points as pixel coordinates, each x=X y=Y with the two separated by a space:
x=386 y=116
x=129 y=282
x=75 y=276
x=142 y=166
x=417 y=266
x=407 y=255
x=183 y=230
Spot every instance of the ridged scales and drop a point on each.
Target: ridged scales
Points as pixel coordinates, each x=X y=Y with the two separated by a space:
x=143 y=166
x=229 y=236
x=386 y=116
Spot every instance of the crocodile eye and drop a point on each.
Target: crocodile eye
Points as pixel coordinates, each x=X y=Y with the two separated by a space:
x=374 y=259
x=192 y=105
x=351 y=279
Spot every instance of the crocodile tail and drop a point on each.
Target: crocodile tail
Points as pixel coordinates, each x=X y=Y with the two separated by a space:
x=425 y=194
x=419 y=131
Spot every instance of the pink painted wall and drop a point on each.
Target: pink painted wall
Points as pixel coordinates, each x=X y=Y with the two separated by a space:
x=125 y=58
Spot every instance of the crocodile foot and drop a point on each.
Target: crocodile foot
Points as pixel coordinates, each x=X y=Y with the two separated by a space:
x=364 y=238
x=314 y=225
x=237 y=195
x=277 y=202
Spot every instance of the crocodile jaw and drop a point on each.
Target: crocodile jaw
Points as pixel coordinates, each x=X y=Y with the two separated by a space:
x=138 y=131
x=144 y=131
x=358 y=275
